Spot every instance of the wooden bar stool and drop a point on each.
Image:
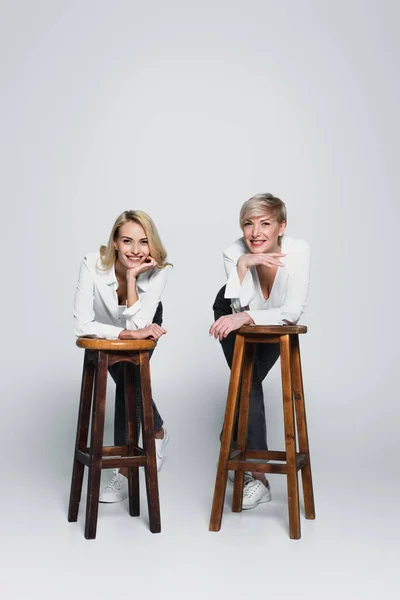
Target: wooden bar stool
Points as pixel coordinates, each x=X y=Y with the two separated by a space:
x=287 y=463
x=99 y=355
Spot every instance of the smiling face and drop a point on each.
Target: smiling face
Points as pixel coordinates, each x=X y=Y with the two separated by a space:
x=132 y=245
x=261 y=234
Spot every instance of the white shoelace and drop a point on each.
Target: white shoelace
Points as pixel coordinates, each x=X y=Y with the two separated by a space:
x=250 y=488
x=115 y=483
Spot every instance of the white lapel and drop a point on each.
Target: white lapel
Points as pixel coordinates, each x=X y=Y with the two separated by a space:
x=107 y=287
x=278 y=289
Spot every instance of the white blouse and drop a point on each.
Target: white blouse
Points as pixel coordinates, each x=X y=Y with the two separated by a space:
x=288 y=295
x=96 y=310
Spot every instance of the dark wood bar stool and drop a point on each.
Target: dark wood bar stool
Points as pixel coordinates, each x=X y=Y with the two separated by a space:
x=287 y=463
x=99 y=355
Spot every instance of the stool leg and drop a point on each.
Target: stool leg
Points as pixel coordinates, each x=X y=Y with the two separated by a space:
x=96 y=445
x=247 y=377
x=133 y=472
x=297 y=381
x=149 y=446
x=227 y=433
x=290 y=440
x=81 y=436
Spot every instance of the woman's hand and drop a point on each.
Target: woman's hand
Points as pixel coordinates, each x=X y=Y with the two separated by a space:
x=268 y=259
x=153 y=331
x=224 y=325
x=134 y=272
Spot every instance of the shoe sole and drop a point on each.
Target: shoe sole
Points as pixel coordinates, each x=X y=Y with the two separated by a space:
x=112 y=501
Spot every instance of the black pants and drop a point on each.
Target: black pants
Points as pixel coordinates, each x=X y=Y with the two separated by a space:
x=117 y=373
x=265 y=357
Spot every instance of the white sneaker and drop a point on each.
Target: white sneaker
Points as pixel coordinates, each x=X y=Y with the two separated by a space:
x=255 y=493
x=116 y=490
x=247 y=476
x=160 y=447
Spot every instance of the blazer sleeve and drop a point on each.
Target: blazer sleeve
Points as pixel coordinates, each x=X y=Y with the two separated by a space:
x=296 y=291
x=239 y=293
x=141 y=314
x=84 y=316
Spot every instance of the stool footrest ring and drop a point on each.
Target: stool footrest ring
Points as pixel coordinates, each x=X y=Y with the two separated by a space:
x=124 y=461
x=263 y=467
x=115 y=457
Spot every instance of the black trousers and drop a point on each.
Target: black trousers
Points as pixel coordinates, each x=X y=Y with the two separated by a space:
x=117 y=373
x=265 y=357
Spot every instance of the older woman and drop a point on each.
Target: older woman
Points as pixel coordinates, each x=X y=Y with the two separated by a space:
x=119 y=296
x=267 y=284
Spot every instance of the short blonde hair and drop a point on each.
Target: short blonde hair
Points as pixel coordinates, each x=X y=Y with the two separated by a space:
x=259 y=205
x=108 y=254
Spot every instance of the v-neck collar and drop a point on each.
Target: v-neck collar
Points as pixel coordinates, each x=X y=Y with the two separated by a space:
x=275 y=284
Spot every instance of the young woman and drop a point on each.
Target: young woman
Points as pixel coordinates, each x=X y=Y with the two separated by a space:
x=267 y=284
x=119 y=297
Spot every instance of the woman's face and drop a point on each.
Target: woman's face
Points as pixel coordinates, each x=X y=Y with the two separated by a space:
x=261 y=233
x=132 y=245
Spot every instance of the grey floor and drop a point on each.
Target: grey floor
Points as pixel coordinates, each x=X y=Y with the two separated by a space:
x=349 y=551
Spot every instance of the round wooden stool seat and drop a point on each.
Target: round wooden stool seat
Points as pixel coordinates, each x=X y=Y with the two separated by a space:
x=273 y=329
x=115 y=345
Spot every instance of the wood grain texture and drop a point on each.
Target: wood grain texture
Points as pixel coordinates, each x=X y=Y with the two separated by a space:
x=243 y=424
x=130 y=408
x=153 y=501
x=263 y=339
x=116 y=345
x=81 y=437
x=120 y=356
x=249 y=330
x=96 y=446
x=263 y=467
x=290 y=440
x=109 y=462
x=298 y=392
x=227 y=433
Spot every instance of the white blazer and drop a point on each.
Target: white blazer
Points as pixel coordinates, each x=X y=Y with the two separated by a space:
x=96 y=310
x=289 y=292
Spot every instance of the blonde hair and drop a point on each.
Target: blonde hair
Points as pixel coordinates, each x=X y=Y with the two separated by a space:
x=259 y=205
x=108 y=254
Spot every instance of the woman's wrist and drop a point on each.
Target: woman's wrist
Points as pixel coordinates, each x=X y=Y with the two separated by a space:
x=127 y=334
x=249 y=319
x=131 y=277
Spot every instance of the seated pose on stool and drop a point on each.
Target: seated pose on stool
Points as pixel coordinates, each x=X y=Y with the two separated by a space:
x=267 y=283
x=118 y=296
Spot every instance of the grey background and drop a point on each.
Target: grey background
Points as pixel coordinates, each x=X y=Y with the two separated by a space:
x=186 y=109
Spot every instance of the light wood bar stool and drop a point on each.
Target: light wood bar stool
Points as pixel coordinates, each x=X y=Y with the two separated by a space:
x=99 y=355
x=287 y=463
